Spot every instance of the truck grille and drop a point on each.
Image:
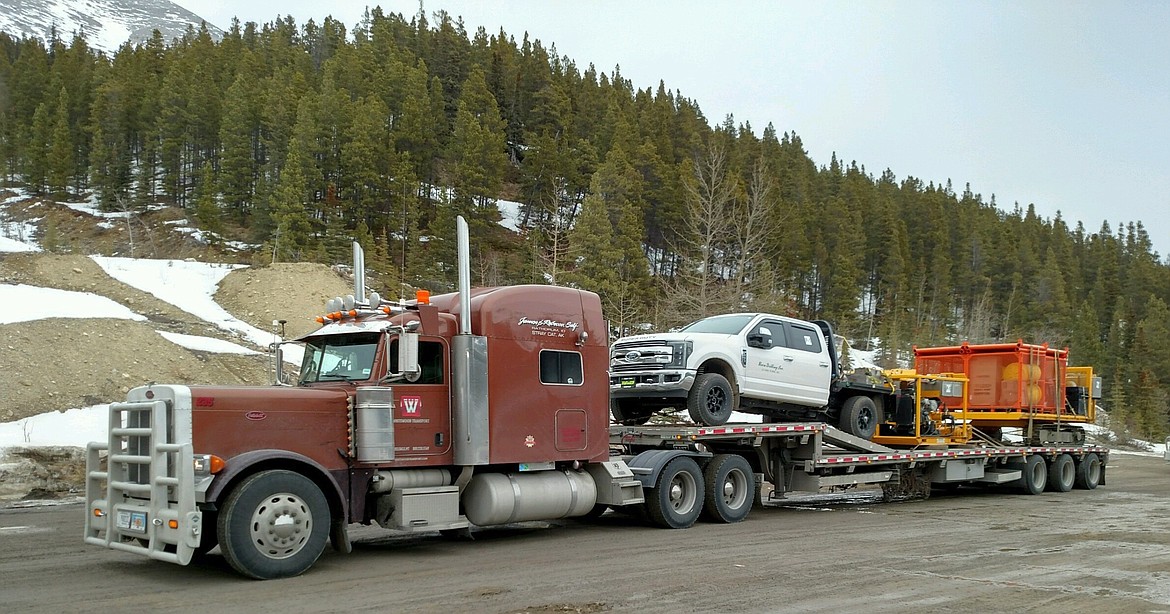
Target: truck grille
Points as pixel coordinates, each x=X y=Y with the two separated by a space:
x=639 y=356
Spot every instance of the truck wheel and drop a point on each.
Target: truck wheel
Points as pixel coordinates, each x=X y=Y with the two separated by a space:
x=1035 y=475
x=1061 y=473
x=710 y=400
x=859 y=417
x=677 y=496
x=274 y=525
x=629 y=412
x=1088 y=474
x=730 y=485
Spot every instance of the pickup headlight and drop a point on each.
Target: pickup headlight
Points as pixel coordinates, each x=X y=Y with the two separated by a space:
x=680 y=352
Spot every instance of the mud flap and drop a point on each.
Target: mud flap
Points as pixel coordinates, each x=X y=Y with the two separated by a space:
x=339 y=537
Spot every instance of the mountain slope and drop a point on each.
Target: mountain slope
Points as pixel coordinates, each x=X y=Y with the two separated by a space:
x=106 y=24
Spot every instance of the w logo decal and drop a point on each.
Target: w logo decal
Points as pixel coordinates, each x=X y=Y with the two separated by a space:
x=411 y=406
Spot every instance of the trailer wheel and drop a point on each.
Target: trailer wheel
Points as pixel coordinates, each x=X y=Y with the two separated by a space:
x=730 y=485
x=1088 y=473
x=859 y=417
x=629 y=412
x=1061 y=473
x=710 y=400
x=677 y=496
x=1035 y=475
x=274 y=525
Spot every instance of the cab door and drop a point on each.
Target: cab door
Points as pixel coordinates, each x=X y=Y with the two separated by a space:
x=422 y=405
x=766 y=373
x=808 y=369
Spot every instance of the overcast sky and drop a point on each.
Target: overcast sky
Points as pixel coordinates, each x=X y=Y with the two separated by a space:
x=1064 y=104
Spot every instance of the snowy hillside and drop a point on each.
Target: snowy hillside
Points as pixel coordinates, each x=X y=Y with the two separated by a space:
x=106 y=24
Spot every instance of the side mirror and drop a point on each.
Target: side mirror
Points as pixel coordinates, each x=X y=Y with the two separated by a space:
x=278 y=364
x=757 y=340
x=407 y=355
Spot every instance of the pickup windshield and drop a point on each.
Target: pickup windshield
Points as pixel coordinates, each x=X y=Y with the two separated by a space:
x=339 y=358
x=723 y=325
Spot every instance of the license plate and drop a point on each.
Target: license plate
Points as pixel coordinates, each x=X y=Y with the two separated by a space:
x=131 y=521
x=628 y=382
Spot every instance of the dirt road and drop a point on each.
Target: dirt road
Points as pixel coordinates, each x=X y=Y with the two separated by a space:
x=1106 y=550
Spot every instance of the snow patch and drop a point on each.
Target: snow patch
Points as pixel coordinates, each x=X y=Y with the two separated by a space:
x=205 y=344
x=21 y=303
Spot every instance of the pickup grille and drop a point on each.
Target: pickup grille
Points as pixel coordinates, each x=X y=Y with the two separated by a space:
x=639 y=356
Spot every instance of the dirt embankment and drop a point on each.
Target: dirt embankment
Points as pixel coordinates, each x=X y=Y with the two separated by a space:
x=61 y=363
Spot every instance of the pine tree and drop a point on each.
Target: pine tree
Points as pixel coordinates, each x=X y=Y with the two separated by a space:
x=36 y=165
x=207 y=210
x=239 y=136
x=477 y=155
x=292 y=239
x=61 y=158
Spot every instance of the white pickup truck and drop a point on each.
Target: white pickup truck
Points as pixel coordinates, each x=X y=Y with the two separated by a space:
x=782 y=368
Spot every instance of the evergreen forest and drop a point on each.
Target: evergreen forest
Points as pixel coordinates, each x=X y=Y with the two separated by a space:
x=299 y=138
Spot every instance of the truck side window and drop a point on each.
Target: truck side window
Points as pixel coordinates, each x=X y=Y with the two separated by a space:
x=560 y=367
x=803 y=338
x=430 y=360
x=773 y=330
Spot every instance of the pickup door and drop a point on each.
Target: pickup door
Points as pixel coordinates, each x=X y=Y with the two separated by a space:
x=787 y=362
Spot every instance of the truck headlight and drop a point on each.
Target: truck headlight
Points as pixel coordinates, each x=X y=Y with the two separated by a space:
x=680 y=352
x=207 y=464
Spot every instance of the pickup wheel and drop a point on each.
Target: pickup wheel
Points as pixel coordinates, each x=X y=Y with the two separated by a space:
x=710 y=400
x=730 y=485
x=859 y=417
x=677 y=497
x=629 y=412
x=274 y=525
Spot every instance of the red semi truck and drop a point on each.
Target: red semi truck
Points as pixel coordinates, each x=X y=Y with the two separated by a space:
x=481 y=407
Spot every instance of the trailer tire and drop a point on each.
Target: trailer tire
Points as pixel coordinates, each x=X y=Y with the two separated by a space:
x=1035 y=475
x=275 y=524
x=860 y=417
x=629 y=412
x=1088 y=472
x=711 y=401
x=730 y=486
x=1061 y=473
x=677 y=496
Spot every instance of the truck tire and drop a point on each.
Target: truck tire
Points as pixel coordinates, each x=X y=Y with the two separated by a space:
x=629 y=412
x=677 y=496
x=710 y=400
x=274 y=525
x=730 y=486
x=859 y=417
x=1061 y=473
x=1035 y=475
x=1088 y=474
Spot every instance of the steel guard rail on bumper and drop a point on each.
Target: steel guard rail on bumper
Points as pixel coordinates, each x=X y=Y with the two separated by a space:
x=137 y=515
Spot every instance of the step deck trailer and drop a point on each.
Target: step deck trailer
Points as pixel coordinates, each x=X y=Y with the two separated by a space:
x=808 y=457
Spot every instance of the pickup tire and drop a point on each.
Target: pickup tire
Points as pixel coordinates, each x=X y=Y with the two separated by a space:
x=859 y=417
x=629 y=412
x=710 y=400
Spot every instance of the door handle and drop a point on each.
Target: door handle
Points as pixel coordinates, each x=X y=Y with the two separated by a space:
x=824 y=364
x=789 y=359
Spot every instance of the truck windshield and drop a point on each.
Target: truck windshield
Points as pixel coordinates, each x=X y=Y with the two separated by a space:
x=723 y=325
x=339 y=358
